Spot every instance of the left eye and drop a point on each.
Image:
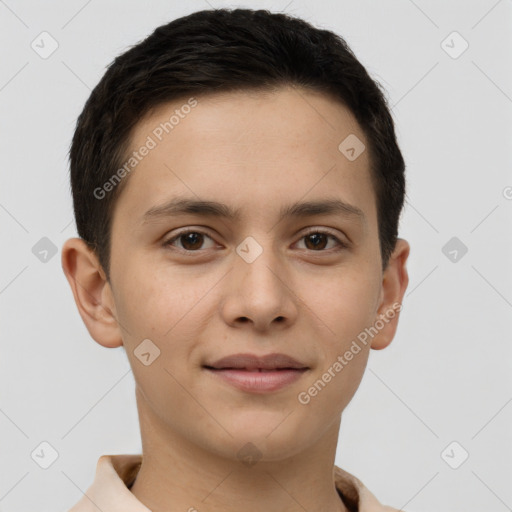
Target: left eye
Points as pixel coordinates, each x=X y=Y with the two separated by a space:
x=191 y=241
x=318 y=240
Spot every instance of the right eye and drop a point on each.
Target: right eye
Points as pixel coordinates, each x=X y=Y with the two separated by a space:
x=191 y=240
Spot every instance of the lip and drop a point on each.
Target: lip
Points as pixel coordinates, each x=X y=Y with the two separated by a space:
x=272 y=361
x=256 y=381
x=258 y=374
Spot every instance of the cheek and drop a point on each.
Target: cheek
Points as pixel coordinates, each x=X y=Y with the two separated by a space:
x=342 y=359
x=347 y=304
x=346 y=308
x=166 y=307
x=148 y=300
x=325 y=396
x=160 y=309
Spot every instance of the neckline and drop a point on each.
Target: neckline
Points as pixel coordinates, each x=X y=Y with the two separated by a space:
x=350 y=502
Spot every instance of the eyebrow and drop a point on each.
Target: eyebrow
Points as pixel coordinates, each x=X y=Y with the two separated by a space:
x=184 y=206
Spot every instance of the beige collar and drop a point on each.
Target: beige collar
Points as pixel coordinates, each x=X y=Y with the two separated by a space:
x=116 y=473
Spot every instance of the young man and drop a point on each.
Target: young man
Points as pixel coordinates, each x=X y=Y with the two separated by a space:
x=237 y=188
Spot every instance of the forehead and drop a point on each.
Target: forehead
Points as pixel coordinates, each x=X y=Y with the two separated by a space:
x=252 y=150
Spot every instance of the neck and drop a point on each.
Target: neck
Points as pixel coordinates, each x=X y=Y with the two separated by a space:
x=177 y=475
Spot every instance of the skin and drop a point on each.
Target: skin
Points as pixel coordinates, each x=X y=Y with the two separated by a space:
x=257 y=152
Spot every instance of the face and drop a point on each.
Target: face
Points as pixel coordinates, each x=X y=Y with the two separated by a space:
x=202 y=285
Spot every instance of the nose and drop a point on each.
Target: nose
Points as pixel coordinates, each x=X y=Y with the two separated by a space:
x=259 y=293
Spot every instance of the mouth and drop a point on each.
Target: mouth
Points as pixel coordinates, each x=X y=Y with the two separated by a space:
x=258 y=374
x=253 y=362
x=263 y=370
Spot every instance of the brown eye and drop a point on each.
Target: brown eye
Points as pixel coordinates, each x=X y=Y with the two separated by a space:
x=318 y=241
x=190 y=240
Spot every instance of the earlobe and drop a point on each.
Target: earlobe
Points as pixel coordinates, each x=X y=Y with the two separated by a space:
x=394 y=284
x=91 y=292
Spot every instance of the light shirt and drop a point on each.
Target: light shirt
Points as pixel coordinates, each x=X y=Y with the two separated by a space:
x=115 y=474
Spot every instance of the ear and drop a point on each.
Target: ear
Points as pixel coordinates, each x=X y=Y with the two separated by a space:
x=92 y=292
x=394 y=283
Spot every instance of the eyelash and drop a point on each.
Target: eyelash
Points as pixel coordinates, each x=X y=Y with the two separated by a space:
x=342 y=245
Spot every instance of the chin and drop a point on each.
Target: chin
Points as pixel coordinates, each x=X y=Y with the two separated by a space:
x=271 y=437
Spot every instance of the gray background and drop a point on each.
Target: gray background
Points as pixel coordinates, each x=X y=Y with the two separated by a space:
x=447 y=375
